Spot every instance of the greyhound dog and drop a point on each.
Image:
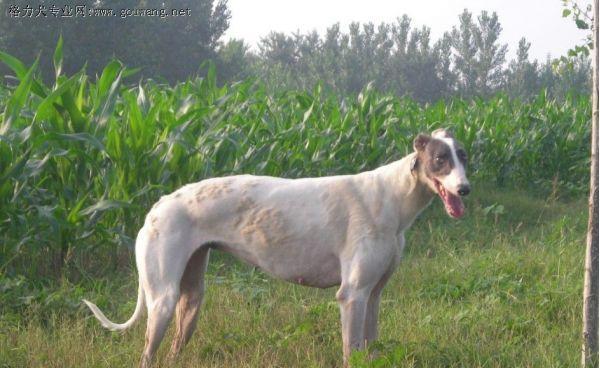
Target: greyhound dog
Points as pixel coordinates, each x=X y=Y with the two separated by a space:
x=340 y=230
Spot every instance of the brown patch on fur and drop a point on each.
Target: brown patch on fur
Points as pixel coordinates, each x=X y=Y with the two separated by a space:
x=213 y=190
x=263 y=226
x=245 y=206
x=153 y=232
x=152 y=228
x=250 y=184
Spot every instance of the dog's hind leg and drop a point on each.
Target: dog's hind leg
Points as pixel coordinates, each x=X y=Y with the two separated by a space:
x=192 y=291
x=158 y=320
x=160 y=270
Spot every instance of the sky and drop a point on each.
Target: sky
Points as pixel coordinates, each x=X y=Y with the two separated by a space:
x=539 y=21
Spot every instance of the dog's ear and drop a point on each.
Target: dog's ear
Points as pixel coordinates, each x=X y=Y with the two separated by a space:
x=420 y=142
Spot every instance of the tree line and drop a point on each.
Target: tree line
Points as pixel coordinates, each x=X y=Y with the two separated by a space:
x=469 y=60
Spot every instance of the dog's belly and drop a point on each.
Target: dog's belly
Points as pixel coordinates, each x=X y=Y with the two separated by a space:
x=296 y=246
x=301 y=266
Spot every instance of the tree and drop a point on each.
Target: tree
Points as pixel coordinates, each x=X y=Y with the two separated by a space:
x=589 y=356
x=181 y=43
x=420 y=67
x=465 y=51
x=166 y=46
x=478 y=57
x=446 y=76
x=335 y=45
x=233 y=60
x=490 y=55
x=522 y=75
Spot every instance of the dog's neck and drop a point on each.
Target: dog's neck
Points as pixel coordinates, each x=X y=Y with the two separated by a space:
x=405 y=184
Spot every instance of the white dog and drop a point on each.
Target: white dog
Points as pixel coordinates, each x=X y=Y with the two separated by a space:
x=341 y=230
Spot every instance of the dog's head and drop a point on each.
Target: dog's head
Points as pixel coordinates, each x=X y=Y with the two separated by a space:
x=440 y=163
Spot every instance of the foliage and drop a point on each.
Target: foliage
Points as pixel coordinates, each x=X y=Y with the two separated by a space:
x=398 y=58
x=583 y=18
x=164 y=45
x=81 y=161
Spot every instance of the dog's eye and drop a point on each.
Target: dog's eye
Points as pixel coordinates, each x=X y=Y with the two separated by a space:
x=462 y=155
x=440 y=159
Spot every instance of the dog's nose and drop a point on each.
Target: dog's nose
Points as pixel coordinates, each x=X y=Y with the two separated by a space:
x=464 y=189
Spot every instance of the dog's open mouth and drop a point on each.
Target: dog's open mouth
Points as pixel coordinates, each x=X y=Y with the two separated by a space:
x=454 y=205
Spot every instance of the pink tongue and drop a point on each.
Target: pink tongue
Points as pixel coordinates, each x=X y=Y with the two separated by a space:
x=454 y=205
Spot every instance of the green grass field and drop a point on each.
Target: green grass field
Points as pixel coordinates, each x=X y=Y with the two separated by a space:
x=501 y=288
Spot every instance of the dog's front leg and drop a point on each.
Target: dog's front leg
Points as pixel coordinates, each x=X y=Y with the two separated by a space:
x=353 y=307
x=363 y=276
x=373 y=308
x=370 y=329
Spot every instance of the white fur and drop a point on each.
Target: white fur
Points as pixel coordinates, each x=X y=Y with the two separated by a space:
x=340 y=230
x=457 y=177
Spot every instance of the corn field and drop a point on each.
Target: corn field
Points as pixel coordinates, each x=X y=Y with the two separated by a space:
x=82 y=160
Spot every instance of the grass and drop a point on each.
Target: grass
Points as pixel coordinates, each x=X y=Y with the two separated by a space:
x=501 y=288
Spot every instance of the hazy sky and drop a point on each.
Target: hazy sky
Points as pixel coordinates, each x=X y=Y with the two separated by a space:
x=539 y=21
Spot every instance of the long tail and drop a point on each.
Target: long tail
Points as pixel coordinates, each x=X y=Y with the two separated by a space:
x=119 y=326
